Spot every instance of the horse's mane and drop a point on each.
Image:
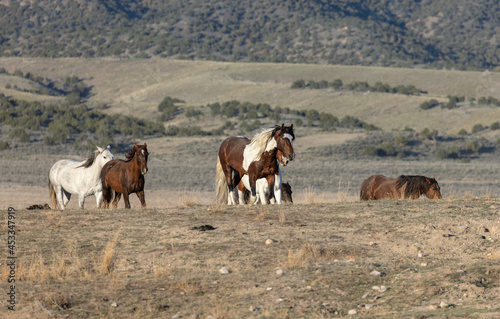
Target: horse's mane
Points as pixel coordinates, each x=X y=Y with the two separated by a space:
x=90 y=160
x=415 y=184
x=260 y=140
x=131 y=153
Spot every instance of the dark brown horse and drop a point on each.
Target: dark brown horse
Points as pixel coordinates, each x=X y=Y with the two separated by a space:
x=256 y=158
x=125 y=177
x=404 y=186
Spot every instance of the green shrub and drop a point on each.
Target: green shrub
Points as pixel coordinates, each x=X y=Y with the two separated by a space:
x=477 y=128
x=4 y=145
x=429 y=104
x=495 y=126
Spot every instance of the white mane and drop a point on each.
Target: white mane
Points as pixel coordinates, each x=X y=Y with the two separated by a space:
x=259 y=144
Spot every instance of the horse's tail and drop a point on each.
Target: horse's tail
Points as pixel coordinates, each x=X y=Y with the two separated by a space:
x=220 y=184
x=52 y=194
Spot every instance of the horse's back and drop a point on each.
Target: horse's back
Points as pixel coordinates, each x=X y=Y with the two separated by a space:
x=371 y=187
x=231 y=151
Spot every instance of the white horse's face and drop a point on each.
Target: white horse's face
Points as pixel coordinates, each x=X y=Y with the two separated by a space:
x=105 y=155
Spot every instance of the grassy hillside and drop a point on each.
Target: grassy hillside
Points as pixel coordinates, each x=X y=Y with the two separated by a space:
x=136 y=87
x=329 y=163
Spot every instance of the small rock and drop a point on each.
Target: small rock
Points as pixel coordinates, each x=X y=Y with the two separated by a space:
x=352 y=312
x=114 y=305
x=269 y=288
x=176 y=316
x=195 y=316
x=280 y=272
x=423 y=265
x=443 y=305
x=270 y=241
x=432 y=307
x=210 y=317
x=224 y=271
x=372 y=243
x=368 y=306
x=365 y=296
x=280 y=300
x=379 y=289
x=376 y=273
x=253 y=308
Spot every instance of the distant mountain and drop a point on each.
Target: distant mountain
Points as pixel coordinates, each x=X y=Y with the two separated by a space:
x=461 y=34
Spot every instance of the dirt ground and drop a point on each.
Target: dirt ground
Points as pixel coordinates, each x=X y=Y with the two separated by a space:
x=381 y=259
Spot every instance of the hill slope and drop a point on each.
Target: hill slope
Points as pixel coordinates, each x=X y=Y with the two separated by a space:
x=438 y=33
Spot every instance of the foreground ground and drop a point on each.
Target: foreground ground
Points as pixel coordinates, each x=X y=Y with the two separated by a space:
x=385 y=259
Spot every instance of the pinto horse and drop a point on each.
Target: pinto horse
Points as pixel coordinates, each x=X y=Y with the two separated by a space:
x=256 y=158
x=125 y=177
x=262 y=187
x=404 y=186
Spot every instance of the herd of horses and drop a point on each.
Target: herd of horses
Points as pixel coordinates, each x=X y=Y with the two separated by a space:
x=247 y=172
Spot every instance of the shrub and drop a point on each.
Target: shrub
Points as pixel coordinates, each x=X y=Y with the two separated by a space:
x=299 y=84
x=477 y=128
x=452 y=152
x=4 y=145
x=429 y=104
x=495 y=126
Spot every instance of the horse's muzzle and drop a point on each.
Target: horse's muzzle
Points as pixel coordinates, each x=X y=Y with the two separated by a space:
x=144 y=170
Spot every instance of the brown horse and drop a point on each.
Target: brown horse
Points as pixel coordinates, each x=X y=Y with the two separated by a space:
x=125 y=177
x=256 y=158
x=404 y=186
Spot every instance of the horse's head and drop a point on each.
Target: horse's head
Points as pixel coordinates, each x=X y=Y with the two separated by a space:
x=104 y=155
x=284 y=137
x=142 y=153
x=434 y=191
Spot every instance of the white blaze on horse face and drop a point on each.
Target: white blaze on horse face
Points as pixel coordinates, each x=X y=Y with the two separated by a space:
x=290 y=138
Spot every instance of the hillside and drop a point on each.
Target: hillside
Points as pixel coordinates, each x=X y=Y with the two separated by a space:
x=456 y=145
x=136 y=87
x=434 y=33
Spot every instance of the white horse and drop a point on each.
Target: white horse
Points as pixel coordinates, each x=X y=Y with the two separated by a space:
x=262 y=188
x=67 y=177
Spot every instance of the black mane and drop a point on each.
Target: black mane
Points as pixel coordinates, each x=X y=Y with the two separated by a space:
x=90 y=160
x=415 y=184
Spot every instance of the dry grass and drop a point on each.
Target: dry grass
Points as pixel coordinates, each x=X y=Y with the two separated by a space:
x=328 y=250
x=107 y=260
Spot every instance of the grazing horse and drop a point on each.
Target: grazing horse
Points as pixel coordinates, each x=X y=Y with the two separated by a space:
x=404 y=186
x=256 y=158
x=125 y=177
x=67 y=177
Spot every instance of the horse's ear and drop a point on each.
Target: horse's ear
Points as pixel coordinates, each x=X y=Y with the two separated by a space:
x=291 y=126
x=108 y=147
x=145 y=145
x=282 y=126
x=99 y=149
x=428 y=181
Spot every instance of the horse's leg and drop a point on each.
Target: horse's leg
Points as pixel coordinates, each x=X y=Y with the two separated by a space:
x=141 y=198
x=277 y=188
x=116 y=200
x=98 y=199
x=60 y=196
x=126 y=199
x=270 y=181
x=81 y=200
